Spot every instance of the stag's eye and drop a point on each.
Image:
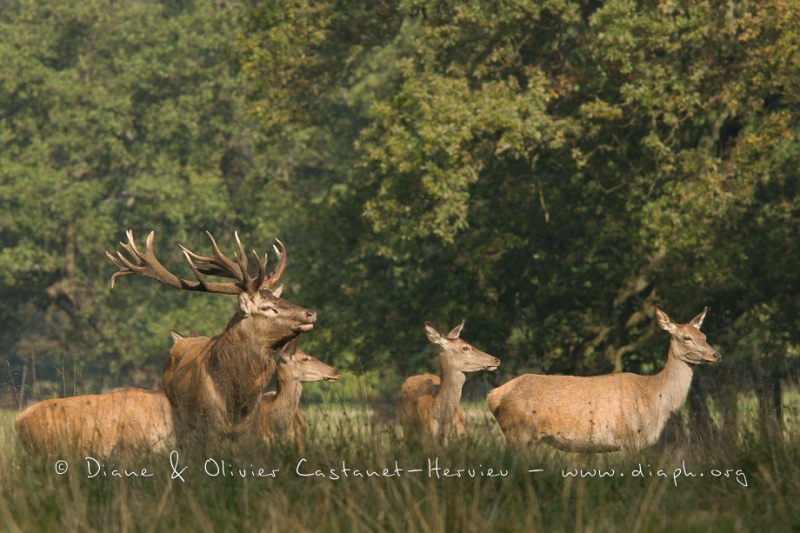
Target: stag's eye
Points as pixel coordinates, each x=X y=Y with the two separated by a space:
x=267 y=309
x=687 y=338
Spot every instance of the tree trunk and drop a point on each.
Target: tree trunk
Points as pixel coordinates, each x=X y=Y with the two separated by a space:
x=768 y=390
x=702 y=425
x=729 y=401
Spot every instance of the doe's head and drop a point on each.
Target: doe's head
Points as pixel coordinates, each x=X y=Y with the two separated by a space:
x=459 y=354
x=688 y=342
x=297 y=365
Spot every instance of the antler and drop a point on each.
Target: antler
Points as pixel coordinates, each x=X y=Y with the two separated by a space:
x=219 y=265
x=147 y=265
x=275 y=275
x=215 y=265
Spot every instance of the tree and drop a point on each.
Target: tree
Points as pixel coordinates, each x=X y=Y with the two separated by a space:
x=547 y=170
x=112 y=116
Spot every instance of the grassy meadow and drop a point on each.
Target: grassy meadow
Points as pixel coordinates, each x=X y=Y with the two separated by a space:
x=354 y=475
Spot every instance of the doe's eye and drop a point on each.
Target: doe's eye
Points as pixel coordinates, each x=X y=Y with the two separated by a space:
x=465 y=348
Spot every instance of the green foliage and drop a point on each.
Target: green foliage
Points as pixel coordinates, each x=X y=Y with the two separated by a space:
x=111 y=116
x=546 y=170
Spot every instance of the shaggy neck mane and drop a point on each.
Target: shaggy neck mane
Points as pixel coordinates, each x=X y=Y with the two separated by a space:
x=241 y=363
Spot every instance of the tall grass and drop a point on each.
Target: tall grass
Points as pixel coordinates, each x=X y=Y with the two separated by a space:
x=683 y=485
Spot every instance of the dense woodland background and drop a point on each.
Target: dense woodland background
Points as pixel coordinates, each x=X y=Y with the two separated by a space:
x=547 y=170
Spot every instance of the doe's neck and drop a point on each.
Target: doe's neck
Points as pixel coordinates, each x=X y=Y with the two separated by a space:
x=673 y=382
x=449 y=395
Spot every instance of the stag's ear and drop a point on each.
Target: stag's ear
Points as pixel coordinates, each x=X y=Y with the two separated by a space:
x=246 y=304
x=698 y=320
x=277 y=292
x=456 y=331
x=433 y=335
x=175 y=336
x=664 y=320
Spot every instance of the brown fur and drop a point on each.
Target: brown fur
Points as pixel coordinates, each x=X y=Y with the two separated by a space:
x=428 y=406
x=279 y=417
x=214 y=384
x=602 y=413
x=120 y=422
x=416 y=405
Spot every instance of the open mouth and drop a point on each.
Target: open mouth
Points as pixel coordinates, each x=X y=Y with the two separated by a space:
x=696 y=359
x=331 y=378
x=490 y=368
x=303 y=327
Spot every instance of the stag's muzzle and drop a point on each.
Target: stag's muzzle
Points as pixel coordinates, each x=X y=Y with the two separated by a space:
x=308 y=325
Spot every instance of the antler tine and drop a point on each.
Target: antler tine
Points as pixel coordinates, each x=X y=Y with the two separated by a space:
x=275 y=275
x=217 y=264
x=122 y=269
x=262 y=270
x=130 y=246
x=228 y=264
x=241 y=258
x=148 y=242
x=196 y=271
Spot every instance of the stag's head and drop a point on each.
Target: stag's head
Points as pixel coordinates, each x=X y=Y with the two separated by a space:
x=273 y=316
x=459 y=354
x=269 y=311
x=688 y=343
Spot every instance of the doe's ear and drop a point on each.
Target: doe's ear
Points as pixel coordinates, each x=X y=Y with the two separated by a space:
x=175 y=335
x=664 y=320
x=698 y=320
x=433 y=335
x=290 y=347
x=456 y=331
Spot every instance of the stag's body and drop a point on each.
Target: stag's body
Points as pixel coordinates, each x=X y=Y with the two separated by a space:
x=279 y=417
x=119 y=422
x=602 y=413
x=429 y=406
x=214 y=384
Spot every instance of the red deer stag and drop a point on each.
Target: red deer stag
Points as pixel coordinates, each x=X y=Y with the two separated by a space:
x=119 y=423
x=215 y=384
x=603 y=413
x=430 y=405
